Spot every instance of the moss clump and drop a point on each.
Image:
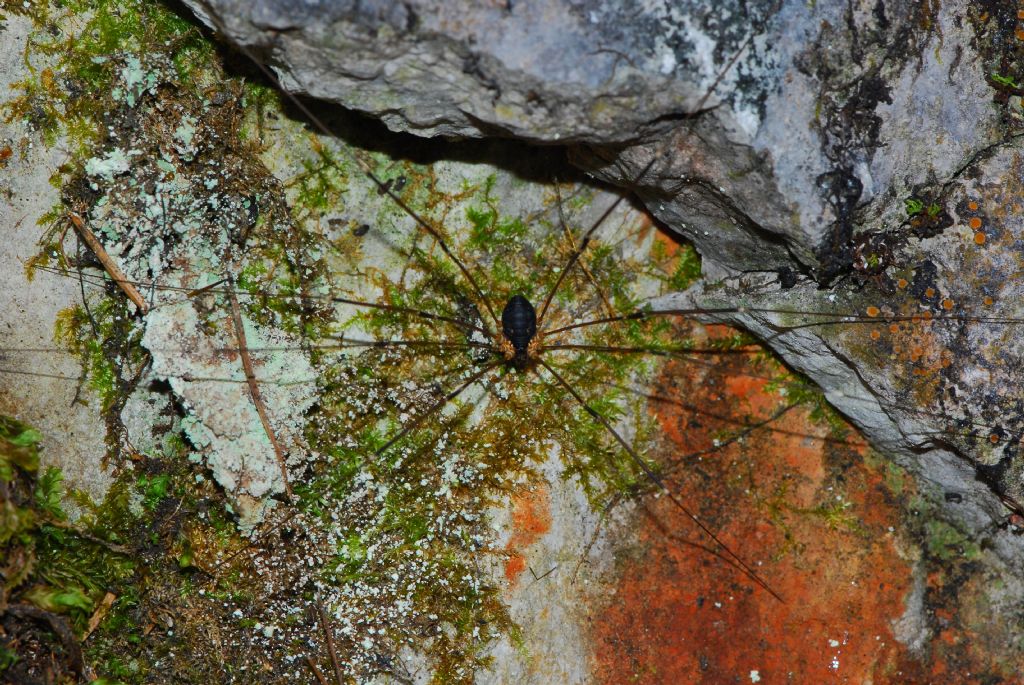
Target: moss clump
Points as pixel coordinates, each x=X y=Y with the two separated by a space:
x=70 y=95
x=55 y=574
x=946 y=542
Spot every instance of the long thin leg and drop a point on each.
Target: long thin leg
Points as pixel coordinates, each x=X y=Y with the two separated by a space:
x=583 y=246
x=828 y=318
x=743 y=426
x=700 y=105
x=415 y=312
x=572 y=244
x=660 y=352
x=654 y=478
x=436 y=348
x=871 y=402
x=823 y=318
x=438 y=345
x=100 y=281
x=436 y=407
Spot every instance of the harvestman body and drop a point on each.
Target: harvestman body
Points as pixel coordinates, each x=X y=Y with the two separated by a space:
x=519 y=325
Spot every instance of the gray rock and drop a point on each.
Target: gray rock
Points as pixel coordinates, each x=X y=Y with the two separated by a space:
x=552 y=71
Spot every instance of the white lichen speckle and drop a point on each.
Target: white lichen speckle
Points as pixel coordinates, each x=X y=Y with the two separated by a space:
x=112 y=164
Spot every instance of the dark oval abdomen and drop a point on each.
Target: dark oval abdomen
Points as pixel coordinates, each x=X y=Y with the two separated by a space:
x=519 y=322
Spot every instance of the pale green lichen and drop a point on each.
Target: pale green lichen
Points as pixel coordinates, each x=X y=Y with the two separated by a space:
x=113 y=163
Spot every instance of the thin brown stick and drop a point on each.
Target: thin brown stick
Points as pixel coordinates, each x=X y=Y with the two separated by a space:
x=111 y=268
x=322 y=615
x=254 y=390
x=654 y=478
x=316 y=671
x=99 y=614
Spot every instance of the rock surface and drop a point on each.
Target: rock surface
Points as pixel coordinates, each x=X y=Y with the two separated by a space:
x=859 y=156
x=793 y=177
x=552 y=71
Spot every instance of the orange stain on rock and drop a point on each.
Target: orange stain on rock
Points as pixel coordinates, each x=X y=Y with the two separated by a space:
x=683 y=615
x=531 y=519
x=816 y=521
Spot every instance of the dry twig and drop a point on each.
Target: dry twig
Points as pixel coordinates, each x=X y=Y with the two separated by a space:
x=254 y=389
x=113 y=269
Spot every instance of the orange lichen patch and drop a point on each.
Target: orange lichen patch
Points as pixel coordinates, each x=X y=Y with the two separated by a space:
x=670 y=247
x=947 y=304
x=872 y=311
x=987 y=301
x=972 y=205
x=902 y=283
x=974 y=222
x=531 y=518
x=979 y=238
x=875 y=334
x=929 y=292
x=715 y=331
x=682 y=615
x=916 y=355
x=751 y=391
x=993 y=438
x=1019 y=34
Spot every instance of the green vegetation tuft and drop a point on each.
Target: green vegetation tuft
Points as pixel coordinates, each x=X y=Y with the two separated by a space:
x=946 y=542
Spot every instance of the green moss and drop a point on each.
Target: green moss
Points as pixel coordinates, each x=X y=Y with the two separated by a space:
x=86 y=61
x=106 y=341
x=800 y=391
x=56 y=566
x=946 y=542
x=1004 y=80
